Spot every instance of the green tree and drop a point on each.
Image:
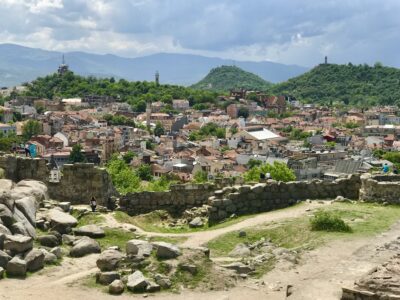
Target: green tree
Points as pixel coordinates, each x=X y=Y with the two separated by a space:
x=128 y=156
x=144 y=172
x=30 y=128
x=279 y=171
x=124 y=179
x=76 y=154
x=253 y=163
x=159 y=129
x=200 y=177
x=243 y=112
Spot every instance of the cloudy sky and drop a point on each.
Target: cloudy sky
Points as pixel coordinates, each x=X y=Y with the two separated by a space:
x=289 y=31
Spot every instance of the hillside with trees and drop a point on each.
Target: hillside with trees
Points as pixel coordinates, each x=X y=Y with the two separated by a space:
x=226 y=78
x=360 y=85
x=136 y=93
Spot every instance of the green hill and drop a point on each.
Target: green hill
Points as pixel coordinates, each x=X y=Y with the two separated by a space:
x=350 y=84
x=226 y=78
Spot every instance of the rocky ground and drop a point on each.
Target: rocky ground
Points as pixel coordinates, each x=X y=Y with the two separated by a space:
x=63 y=259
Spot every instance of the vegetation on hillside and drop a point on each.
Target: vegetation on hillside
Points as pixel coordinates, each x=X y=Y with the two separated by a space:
x=360 y=85
x=226 y=78
x=278 y=171
x=135 y=93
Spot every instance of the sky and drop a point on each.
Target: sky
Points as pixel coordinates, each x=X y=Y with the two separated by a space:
x=298 y=32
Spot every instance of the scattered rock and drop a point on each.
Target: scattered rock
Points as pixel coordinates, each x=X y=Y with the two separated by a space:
x=34 y=260
x=139 y=247
x=92 y=231
x=84 y=246
x=166 y=250
x=68 y=239
x=241 y=250
x=65 y=206
x=152 y=287
x=57 y=251
x=137 y=282
x=16 y=267
x=4 y=259
x=242 y=233
x=6 y=215
x=289 y=290
x=192 y=269
x=109 y=260
x=18 y=243
x=61 y=221
x=196 y=223
x=49 y=258
x=116 y=287
x=107 y=278
x=1 y=272
x=239 y=267
x=27 y=206
x=163 y=281
x=48 y=240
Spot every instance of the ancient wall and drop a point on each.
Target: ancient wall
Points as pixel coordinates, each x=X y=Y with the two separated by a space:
x=272 y=195
x=79 y=182
x=380 y=188
x=175 y=201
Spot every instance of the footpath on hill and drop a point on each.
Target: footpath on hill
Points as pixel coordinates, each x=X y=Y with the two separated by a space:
x=320 y=274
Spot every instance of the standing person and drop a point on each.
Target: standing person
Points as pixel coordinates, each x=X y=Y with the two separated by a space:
x=93 y=204
x=385 y=168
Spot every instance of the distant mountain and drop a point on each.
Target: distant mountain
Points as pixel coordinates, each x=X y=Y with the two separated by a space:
x=226 y=78
x=349 y=84
x=20 y=64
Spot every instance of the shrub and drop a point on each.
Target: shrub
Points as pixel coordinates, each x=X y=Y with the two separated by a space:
x=326 y=221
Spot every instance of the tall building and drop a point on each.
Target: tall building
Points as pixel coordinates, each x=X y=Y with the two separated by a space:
x=63 y=68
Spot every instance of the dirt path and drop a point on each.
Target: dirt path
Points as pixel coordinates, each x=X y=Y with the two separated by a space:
x=196 y=239
x=319 y=276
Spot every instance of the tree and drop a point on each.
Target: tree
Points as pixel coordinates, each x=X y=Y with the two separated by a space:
x=243 y=112
x=279 y=171
x=123 y=178
x=128 y=156
x=159 y=130
x=30 y=128
x=144 y=172
x=253 y=163
x=76 y=154
x=200 y=177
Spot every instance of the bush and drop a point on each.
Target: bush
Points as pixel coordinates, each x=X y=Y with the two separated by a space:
x=326 y=221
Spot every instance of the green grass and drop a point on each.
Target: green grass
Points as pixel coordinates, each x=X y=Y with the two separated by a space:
x=153 y=222
x=364 y=220
x=90 y=218
x=329 y=221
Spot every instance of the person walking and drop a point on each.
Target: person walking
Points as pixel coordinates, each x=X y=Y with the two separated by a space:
x=385 y=168
x=93 y=204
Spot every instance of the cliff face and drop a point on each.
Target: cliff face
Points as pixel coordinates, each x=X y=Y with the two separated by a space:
x=78 y=184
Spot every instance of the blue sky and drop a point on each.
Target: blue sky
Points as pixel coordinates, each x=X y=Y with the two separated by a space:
x=288 y=31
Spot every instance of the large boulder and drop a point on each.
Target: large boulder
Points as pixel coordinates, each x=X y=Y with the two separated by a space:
x=6 y=215
x=241 y=250
x=61 y=221
x=84 y=246
x=196 y=223
x=65 y=206
x=4 y=259
x=139 y=247
x=49 y=258
x=18 y=243
x=23 y=227
x=16 y=267
x=34 y=260
x=91 y=230
x=48 y=240
x=116 y=287
x=166 y=250
x=6 y=186
x=137 y=282
x=28 y=206
x=109 y=260
x=27 y=188
x=3 y=232
x=57 y=251
x=106 y=278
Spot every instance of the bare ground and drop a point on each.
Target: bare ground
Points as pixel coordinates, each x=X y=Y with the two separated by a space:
x=320 y=274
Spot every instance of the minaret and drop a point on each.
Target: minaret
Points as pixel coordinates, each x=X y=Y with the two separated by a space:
x=157 y=78
x=148 y=113
x=326 y=60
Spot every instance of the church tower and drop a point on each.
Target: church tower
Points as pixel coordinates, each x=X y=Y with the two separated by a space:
x=157 y=78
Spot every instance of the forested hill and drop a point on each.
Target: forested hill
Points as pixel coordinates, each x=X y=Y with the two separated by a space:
x=225 y=78
x=135 y=93
x=350 y=84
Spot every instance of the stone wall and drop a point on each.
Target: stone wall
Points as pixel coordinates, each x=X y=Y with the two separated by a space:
x=380 y=188
x=179 y=198
x=272 y=195
x=79 y=182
